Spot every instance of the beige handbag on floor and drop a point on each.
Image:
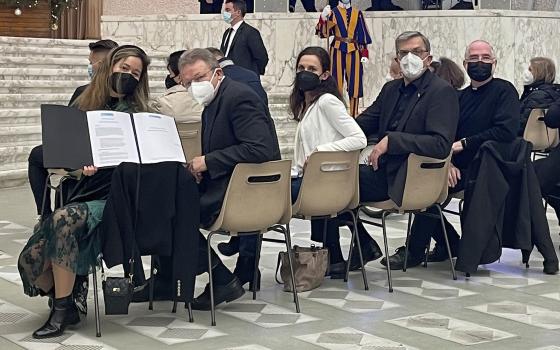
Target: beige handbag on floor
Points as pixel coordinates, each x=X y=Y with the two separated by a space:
x=310 y=266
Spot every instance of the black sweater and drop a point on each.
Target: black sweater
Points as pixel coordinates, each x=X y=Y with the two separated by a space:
x=490 y=112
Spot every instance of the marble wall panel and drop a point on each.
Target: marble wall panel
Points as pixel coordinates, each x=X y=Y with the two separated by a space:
x=536 y=37
x=545 y=5
x=524 y=5
x=515 y=36
x=495 y=4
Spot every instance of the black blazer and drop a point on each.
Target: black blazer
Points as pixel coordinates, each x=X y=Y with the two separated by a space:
x=248 y=77
x=503 y=207
x=427 y=127
x=236 y=128
x=247 y=49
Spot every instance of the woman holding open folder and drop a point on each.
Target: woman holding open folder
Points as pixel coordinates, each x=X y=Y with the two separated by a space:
x=65 y=244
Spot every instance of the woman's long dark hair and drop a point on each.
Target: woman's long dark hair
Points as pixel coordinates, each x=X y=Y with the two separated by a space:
x=327 y=86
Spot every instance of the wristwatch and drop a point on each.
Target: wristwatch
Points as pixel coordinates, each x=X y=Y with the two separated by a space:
x=464 y=143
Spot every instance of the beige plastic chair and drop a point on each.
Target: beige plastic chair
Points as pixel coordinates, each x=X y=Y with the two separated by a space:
x=330 y=187
x=257 y=200
x=190 y=135
x=536 y=132
x=425 y=186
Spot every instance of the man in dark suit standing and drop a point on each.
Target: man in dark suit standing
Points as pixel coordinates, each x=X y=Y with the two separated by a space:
x=241 y=42
x=236 y=128
x=416 y=114
x=240 y=74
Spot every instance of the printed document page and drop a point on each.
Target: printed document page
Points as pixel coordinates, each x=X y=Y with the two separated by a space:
x=112 y=138
x=158 y=138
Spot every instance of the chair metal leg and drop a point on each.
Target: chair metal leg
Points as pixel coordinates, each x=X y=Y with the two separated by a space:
x=452 y=265
x=350 y=251
x=151 y=285
x=96 y=304
x=190 y=313
x=461 y=202
x=389 y=278
x=174 y=309
x=289 y=251
x=406 y=242
x=60 y=197
x=211 y=282
x=426 y=253
x=255 y=271
x=359 y=245
x=45 y=196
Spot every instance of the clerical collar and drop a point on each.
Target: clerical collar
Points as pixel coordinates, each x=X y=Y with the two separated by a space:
x=346 y=6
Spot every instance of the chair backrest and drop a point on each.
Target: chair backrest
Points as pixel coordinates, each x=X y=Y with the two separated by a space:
x=257 y=197
x=329 y=185
x=537 y=133
x=190 y=135
x=426 y=182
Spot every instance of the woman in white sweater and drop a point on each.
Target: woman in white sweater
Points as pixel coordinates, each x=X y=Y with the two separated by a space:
x=323 y=125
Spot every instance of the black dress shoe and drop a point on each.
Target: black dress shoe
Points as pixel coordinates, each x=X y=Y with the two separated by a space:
x=337 y=271
x=229 y=292
x=550 y=267
x=370 y=252
x=244 y=269
x=230 y=248
x=439 y=254
x=397 y=260
x=63 y=314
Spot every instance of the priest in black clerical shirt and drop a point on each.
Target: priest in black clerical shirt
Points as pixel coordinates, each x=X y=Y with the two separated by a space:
x=489 y=110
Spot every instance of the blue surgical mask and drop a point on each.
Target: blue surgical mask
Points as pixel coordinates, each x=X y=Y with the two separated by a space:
x=227 y=17
x=90 y=71
x=345 y=2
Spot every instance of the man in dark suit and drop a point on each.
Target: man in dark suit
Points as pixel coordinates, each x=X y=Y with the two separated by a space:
x=241 y=42
x=238 y=73
x=416 y=114
x=236 y=128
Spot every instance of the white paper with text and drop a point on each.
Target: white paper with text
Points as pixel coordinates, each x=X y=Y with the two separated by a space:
x=158 y=138
x=112 y=138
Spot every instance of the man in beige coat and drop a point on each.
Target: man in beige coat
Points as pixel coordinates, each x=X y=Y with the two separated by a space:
x=177 y=101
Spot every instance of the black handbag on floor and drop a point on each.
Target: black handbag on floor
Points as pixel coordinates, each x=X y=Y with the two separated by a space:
x=117 y=294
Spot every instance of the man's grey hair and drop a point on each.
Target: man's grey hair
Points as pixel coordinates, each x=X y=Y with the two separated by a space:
x=468 y=49
x=195 y=55
x=409 y=35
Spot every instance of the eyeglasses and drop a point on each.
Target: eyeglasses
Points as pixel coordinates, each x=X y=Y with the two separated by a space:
x=187 y=84
x=482 y=58
x=418 y=52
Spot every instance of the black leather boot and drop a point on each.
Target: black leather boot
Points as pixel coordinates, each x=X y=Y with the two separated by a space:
x=244 y=271
x=63 y=314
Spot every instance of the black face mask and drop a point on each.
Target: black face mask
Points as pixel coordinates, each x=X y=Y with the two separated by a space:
x=479 y=71
x=169 y=82
x=123 y=83
x=307 y=81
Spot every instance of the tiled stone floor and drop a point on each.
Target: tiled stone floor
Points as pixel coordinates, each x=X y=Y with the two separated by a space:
x=503 y=306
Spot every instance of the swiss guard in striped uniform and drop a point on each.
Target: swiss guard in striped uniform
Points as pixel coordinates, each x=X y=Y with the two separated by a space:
x=348 y=50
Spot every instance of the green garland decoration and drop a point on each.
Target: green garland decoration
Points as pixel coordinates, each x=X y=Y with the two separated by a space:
x=56 y=6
